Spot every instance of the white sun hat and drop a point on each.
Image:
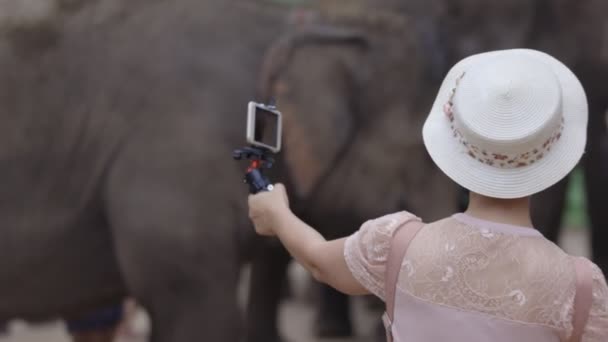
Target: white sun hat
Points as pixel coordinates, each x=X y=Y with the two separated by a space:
x=508 y=123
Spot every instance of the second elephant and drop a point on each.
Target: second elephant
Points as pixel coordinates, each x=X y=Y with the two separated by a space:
x=354 y=91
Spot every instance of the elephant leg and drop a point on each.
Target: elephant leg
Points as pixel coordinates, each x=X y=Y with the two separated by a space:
x=177 y=249
x=333 y=316
x=596 y=180
x=597 y=186
x=189 y=294
x=196 y=315
x=547 y=208
x=268 y=272
x=96 y=336
x=100 y=325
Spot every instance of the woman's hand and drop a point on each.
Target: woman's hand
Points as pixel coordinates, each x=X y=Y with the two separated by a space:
x=264 y=207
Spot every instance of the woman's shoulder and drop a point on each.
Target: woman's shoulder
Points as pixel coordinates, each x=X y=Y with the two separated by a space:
x=391 y=220
x=382 y=229
x=366 y=251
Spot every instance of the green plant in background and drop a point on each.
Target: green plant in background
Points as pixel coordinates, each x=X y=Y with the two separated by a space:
x=575 y=215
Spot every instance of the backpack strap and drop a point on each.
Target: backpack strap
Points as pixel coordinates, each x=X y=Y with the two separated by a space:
x=582 y=299
x=399 y=244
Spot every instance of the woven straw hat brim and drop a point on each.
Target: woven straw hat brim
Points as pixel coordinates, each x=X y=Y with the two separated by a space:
x=452 y=158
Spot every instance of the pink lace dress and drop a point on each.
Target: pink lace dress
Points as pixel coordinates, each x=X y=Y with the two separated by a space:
x=465 y=279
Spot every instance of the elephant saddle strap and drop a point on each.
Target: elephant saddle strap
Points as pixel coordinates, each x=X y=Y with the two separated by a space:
x=408 y=231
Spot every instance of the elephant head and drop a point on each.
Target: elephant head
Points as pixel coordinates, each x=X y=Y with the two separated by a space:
x=30 y=28
x=354 y=91
x=568 y=29
x=473 y=26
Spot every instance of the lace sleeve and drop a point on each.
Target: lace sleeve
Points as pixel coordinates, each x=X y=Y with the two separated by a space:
x=596 y=329
x=366 y=251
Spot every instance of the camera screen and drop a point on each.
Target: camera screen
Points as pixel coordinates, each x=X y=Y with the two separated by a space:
x=266 y=127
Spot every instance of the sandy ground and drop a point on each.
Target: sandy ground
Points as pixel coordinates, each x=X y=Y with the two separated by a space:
x=296 y=315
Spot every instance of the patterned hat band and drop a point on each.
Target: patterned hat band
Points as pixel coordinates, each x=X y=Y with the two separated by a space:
x=492 y=158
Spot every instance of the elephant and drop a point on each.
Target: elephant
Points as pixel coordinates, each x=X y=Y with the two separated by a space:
x=575 y=32
x=582 y=28
x=354 y=84
x=118 y=123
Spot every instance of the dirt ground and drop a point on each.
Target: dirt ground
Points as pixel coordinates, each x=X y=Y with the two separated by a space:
x=296 y=315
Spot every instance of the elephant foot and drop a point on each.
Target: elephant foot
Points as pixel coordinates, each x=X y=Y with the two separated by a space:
x=3 y=329
x=260 y=338
x=380 y=333
x=262 y=333
x=333 y=315
x=333 y=326
x=286 y=290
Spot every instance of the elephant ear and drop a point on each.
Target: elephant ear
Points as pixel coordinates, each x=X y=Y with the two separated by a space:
x=311 y=75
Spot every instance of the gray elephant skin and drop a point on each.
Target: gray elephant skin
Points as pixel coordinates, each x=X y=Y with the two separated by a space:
x=118 y=124
x=354 y=88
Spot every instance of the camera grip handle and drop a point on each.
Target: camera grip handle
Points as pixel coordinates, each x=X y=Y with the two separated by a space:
x=256 y=181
